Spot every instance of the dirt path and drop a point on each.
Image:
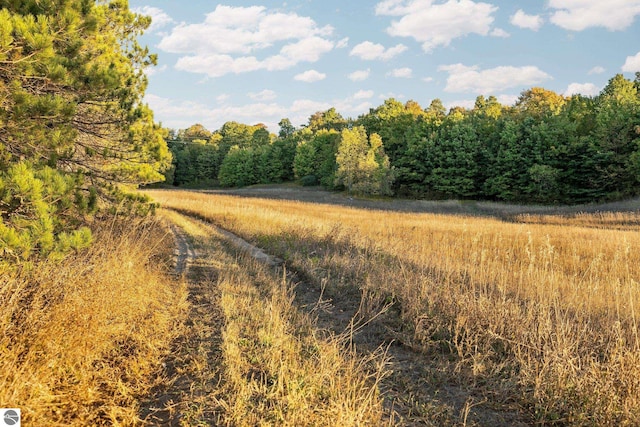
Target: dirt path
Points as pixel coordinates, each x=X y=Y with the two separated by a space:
x=192 y=371
x=418 y=391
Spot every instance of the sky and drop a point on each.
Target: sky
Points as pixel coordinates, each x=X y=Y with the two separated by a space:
x=260 y=61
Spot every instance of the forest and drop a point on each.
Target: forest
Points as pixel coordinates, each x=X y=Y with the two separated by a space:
x=546 y=148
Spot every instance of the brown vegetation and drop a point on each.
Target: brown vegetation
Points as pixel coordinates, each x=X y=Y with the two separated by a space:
x=542 y=315
x=251 y=358
x=82 y=340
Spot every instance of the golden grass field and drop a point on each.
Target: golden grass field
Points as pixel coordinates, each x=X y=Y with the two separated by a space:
x=542 y=311
x=82 y=340
x=254 y=359
x=538 y=313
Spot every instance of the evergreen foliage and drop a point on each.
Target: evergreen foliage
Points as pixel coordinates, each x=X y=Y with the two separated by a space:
x=545 y=149
x=72 y=124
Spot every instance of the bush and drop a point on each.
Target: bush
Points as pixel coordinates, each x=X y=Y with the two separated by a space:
x=309 y=181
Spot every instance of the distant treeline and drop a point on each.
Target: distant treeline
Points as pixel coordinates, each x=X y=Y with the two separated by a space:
x=546 y=148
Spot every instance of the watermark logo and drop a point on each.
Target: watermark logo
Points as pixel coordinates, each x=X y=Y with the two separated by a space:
x=10 y=417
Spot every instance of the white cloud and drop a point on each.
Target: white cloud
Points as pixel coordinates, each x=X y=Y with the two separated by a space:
x=392 y=7
x=465 y=79
x=464 y=103
x=403 y=73
x=373 y=51
x=587 y=89
x=390 y=95
x=310 y=76
x=230 y=38
x=578 y=15
x=183 y=114
x=437 y=24
x=597 y=70
x=522 y=20
x=499 y=32
x=358 y=76
x=505 y=99
x=342 y=43
x=427 y=79
x=265 y=95
x=221 y=99
x=151 y=71
x=632 y=64
x=159 y=18
x=363 y=94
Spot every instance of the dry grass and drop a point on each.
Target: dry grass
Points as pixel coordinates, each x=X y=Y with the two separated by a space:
x=275 y=369
x=544 y=314
x=81 y=341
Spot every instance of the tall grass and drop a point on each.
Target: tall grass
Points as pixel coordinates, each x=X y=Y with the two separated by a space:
x=82 y=340
x=275 y=369
x=543 y=314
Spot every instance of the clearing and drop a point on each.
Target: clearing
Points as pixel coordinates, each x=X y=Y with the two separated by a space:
x=415 y=388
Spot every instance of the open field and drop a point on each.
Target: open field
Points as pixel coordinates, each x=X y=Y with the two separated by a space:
x=538 y=315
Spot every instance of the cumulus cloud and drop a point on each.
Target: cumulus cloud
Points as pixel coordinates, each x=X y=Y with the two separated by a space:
x=342 y=43
x=465 y=79
x=390 y=95
x=596 y=70
x=499 y=32
x=230 y=39
x=310 y=76
x=522 y=20
x=437 y=24
x=363 y=94
x=506 y=99
x=632 y=64
x=403 y=73
x=183 y=113
x=222 y=98
x=373 y=51
x=159 y=17
x=265 y=95
x=360 y=75
x=578 y=15
x=151 y=71
x=587 y=89
x=464 y=103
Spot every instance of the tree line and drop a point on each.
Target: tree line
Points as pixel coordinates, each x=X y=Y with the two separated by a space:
x=546 y=148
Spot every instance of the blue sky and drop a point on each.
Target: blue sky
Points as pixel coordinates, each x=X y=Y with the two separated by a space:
x=263 y=60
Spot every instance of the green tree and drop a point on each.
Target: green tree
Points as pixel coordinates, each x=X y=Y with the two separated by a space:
x=72 y=121
x=539 y=102
x=363 y=167
x=305 y=163
x=193 y=132
x=455 y=166
x=286 y=129
x=327 y=120
x=238 y=168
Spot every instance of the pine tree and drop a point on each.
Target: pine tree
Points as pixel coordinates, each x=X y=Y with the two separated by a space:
x=72 y=121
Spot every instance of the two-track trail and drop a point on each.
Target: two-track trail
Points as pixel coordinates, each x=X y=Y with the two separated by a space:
x=415 y=391
x=192 y=371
